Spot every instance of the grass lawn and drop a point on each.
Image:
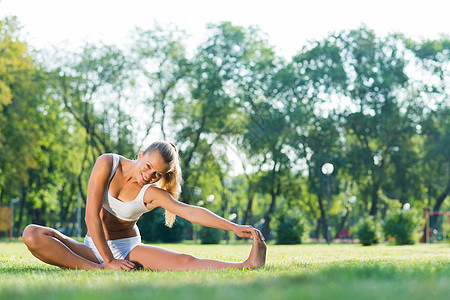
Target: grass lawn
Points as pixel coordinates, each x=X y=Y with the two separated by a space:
x=292 y=272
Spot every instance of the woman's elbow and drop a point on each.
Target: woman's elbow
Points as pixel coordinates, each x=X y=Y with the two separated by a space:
x=90 y=218
x=191 y=213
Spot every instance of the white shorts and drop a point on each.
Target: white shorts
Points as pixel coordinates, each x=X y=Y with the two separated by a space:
x=119 y=248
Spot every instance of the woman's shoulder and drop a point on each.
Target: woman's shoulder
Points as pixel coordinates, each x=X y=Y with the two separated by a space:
x=109 y=160
x=106 y=158
x=103 y=163
x=111 y=157
x=153 y=192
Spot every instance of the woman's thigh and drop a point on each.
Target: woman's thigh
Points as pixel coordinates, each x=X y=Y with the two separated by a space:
x=76 y=247
x=159 y=259
x=79 y=248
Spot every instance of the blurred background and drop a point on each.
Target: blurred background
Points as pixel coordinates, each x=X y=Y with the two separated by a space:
x=315 y=122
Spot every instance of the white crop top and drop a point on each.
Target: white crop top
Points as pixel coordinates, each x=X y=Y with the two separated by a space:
x=127 y=211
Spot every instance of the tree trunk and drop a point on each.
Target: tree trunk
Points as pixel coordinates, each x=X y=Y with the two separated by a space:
x=341 y=224
x=268 y=216
x=186 y=197
x=374 y=207
x=21 y=210
x=248 y=215
x=64 y=208
x=317 y=230
x=80 y=175
x=323 y=219
x=224 y=195
x=437 y=207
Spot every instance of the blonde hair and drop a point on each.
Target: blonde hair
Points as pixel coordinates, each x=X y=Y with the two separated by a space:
x=171 y=181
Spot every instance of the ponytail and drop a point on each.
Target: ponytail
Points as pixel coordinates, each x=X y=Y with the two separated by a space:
x=171 y=182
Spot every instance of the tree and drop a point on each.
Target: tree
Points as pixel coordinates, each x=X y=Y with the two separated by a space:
x=206 y=116
x=432 y=114
x=436 y=157
x=22 y=103
x=160 y=57
x=307 y=85
x=375 y=125
x=90 y=85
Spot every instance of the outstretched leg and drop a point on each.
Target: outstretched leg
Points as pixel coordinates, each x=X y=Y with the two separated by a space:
x=55 y=248
x=159 y=259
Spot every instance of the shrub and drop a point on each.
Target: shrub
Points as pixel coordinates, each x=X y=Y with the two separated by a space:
x=210 y=235
x=367 y=231
x=290 y=227
x=153 y=229
x=401 y=225
x=174 y=234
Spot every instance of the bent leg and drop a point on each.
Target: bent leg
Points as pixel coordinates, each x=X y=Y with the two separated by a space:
x=55 y=248
x=159 y=259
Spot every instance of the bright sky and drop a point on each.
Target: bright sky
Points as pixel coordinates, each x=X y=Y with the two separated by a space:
x=288 y=23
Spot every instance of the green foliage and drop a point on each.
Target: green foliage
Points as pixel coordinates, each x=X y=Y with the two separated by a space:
x=388 y=136
x=402 y=225
x=367 y=231
x=290 y=227
x=153 y=229
x=210 y=235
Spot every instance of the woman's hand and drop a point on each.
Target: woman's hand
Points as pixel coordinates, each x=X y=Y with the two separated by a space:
x=248 y=231
x=119 y=264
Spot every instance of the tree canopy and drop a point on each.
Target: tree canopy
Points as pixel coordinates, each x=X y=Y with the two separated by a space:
x=253 y=128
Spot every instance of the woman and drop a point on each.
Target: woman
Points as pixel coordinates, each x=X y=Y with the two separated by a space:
x=119 y=192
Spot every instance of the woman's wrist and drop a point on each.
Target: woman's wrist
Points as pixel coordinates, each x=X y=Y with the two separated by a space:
x=233 y=227
x=109 y=260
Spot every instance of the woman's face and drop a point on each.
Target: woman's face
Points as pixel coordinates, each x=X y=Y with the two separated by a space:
x=150 y=167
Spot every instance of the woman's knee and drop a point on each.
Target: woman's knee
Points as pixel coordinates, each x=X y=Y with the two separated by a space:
x=185 y=259
x=32 y=234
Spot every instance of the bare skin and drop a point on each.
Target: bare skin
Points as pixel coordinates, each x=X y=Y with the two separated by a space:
x=159 y=259
x=53 y=247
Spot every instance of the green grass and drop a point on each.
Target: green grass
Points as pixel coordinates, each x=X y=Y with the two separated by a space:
x=292 y=272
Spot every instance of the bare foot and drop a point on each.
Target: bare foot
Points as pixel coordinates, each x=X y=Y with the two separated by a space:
x=257 y=257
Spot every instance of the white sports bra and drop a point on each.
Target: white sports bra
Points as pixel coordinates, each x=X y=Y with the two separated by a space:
x=127 y=211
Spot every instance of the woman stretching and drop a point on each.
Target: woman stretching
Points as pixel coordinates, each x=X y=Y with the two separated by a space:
x=119 y=192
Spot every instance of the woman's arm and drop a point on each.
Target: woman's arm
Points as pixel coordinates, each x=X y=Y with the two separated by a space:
x=96 y=192
x=198 y=215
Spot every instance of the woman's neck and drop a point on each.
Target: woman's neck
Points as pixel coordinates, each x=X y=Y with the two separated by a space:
x=129 y=171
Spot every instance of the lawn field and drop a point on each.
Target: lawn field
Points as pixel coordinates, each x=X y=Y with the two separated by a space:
x=292 y=272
